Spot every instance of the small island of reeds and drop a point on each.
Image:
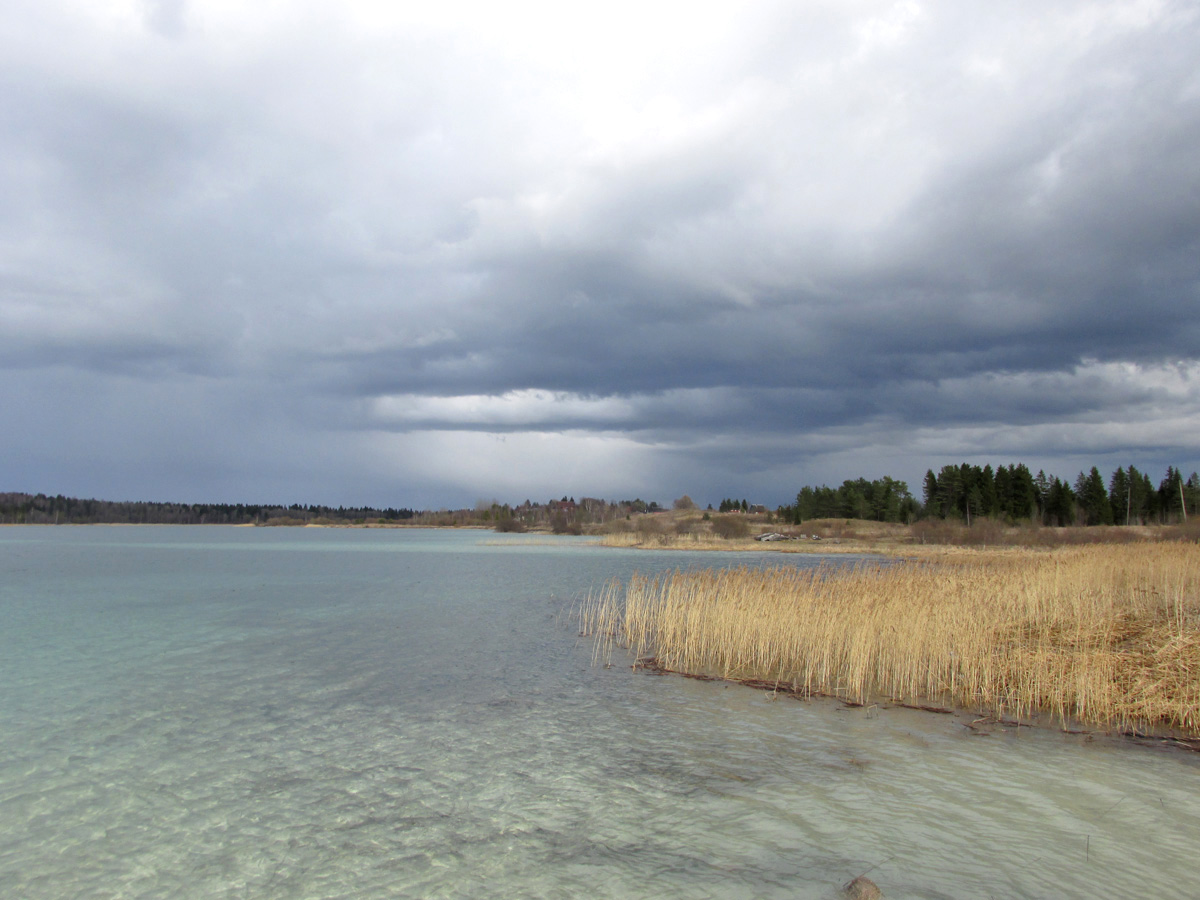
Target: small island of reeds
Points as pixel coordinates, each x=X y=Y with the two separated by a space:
x=1103 y=636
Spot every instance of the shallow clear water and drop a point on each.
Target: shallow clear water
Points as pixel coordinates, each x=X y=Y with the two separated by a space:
x=224 y=712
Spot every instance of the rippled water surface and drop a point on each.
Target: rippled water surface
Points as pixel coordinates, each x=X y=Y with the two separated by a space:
x=225 y=712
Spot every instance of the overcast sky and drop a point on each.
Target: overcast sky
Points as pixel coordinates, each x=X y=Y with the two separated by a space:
x=387 y=254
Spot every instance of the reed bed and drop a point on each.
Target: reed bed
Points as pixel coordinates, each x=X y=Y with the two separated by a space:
x=1096 y=635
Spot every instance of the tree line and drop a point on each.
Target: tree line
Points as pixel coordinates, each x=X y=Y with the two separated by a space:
x=562 y=516
x=1010 y=493
x=1129 y=497
x=882 y=500
x=40 y=509
x=962 y=492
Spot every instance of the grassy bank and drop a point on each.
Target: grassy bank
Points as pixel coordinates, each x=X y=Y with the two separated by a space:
x=1104 y=636
x=734 y=531
x=697 y=530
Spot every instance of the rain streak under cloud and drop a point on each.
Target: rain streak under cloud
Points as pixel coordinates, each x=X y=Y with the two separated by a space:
x=397 y=255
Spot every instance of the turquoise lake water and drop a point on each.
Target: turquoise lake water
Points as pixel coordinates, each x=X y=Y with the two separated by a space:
x=281 y=713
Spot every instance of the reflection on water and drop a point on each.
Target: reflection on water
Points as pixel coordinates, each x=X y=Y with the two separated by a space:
x=235 y=712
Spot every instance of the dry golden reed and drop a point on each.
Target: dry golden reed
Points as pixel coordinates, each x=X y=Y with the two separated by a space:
x=672 y=541
x=1103 y=635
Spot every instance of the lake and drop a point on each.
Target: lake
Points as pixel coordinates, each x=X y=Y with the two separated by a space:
x=316 y=713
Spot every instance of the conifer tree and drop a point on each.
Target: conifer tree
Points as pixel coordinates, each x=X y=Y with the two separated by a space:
x=1170 y=495
x=1024 y=504
x=1120 y=496
x=933 y=505
x=989 y=498
x=1093 y=498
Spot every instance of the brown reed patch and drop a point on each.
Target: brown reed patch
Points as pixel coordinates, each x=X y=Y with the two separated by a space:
x=1100 y=635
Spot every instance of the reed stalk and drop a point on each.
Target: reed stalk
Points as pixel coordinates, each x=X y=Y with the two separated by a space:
x=1105 y=635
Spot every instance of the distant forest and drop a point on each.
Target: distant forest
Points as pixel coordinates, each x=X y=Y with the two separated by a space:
x=1009 y=493
x=563 y=516
x=963 y=492
x=39 y=509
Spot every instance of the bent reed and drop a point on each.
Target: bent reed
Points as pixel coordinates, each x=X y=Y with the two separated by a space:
x=1096 y=635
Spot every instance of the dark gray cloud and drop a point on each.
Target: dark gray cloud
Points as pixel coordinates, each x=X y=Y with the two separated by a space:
x=392 y=255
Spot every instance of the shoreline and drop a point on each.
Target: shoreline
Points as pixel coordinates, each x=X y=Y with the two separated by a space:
x=361 y=525
x=981 y=724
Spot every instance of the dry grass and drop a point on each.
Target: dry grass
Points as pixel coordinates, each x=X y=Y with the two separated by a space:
x=698 y=540
x=1101 y=635
x=711 y=542
x=733 y=531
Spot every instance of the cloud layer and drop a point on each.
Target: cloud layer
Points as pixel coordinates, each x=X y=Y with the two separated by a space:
x=383 y=254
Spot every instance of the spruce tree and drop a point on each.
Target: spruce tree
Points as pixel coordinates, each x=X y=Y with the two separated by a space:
x=1094 y=499
x=1120 y=496
x=933 y=505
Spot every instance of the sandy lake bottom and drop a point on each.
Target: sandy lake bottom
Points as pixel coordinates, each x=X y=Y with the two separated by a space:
x=212 y=712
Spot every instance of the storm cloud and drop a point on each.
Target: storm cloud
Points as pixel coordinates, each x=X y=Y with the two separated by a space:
x=384 y=254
